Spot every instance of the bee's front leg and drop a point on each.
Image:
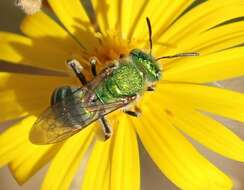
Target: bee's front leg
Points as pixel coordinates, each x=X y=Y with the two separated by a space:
x=93 y=63
x=77 y=68
x=105 y=72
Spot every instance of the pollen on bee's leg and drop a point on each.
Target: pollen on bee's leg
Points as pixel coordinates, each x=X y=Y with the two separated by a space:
x=30 y=7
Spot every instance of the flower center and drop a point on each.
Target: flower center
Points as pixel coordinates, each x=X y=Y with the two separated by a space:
x=112 y=46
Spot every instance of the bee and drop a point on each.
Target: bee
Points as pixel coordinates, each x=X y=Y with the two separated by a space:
x=115 y=87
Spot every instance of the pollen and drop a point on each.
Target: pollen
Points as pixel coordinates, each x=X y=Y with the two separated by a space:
x=112 y=46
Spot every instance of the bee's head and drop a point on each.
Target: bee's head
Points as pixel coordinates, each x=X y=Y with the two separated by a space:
x=147 y=64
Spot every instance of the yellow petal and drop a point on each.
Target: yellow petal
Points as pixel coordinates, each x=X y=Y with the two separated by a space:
x=203 y=129
x=176 y=157
x=168 y=14
x=24 y=166
x=66 y=163
x=13 y=108
x=36 y=52
x=98 y=167
x=114 y=164
x=7 y=43
x=21 y=94
x=215 y=100
x=127 y=16
x=27 y=82
x=216 y=39
x=107 y=13
x=125 y=166
x=201 y=18
x=208 y=68
x=74 y=18
x=210 y=41
x=160 y=13
x=24 y=158
x=43 y=28
x=12 y=139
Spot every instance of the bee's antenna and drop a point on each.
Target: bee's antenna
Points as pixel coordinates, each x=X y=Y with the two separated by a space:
x=150 y=34
x=189 y=54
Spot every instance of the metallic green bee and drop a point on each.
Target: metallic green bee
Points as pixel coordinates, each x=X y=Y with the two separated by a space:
x=115 y=87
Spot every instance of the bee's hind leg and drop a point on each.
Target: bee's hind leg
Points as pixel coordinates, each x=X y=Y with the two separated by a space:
x=107 y=129
x=135 y=113
x=132 y=113
x=77 y=68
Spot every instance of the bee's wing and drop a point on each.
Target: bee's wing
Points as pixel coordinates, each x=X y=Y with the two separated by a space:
x=68 y=117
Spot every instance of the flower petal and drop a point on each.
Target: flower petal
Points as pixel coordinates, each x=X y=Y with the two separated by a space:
x=24 y=166
x=201 y=128
x=199 y=19
x=107 y=13
x=23 y=157
x=8 y=53
x=36 y=52
x=215 y=100
x=114 y=164
x=160 y=13
x=98 y=167
x=129 y=17
x=42 y=28
x=74 y=18
x=12 y=139
x=22 y=94
x=125 y=166
x=14 y=109
x=175 y=156
x=66 y=163
x=208 y=68
x=216 y=39
x=213 y=40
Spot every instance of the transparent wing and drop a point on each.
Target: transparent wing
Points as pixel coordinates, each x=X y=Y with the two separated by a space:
x=68 y=117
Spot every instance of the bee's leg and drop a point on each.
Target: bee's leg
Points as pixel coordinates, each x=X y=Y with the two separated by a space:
x=135 y=113
x=93 y=62
x=76 y=67
x=150 y=88
x=103 y=122
x=106 y=128
x=132 y=113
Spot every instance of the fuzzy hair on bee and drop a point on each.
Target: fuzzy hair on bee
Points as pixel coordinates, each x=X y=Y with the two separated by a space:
x=30 y=7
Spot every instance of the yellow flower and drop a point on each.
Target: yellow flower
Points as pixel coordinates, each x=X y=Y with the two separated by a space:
x=176 y=106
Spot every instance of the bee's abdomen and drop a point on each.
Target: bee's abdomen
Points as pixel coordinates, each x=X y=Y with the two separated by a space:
x=60 y=93
x=126 y=80
x=65 y=101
